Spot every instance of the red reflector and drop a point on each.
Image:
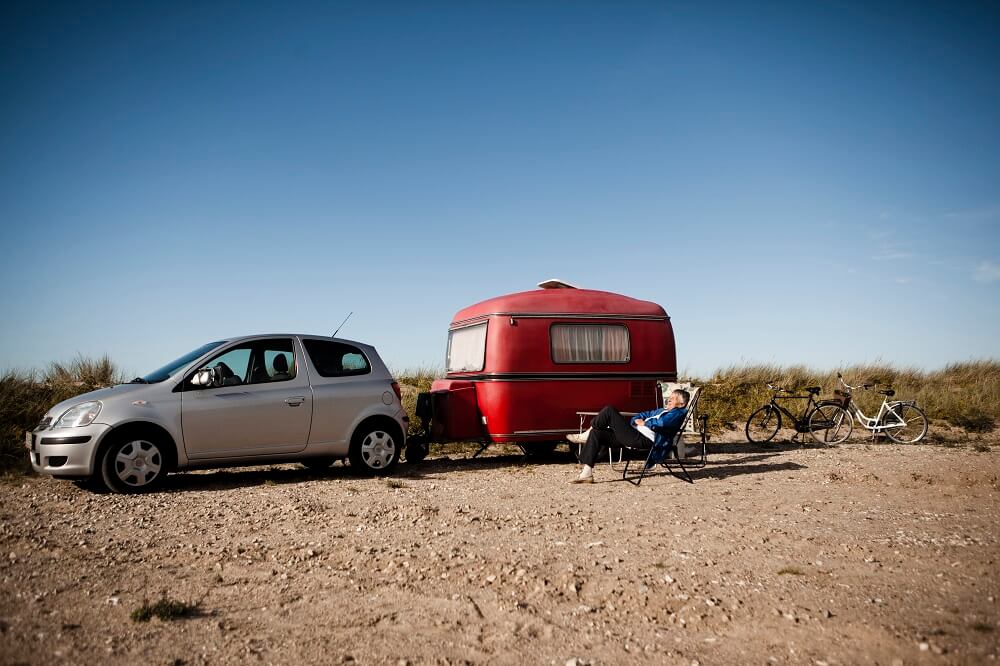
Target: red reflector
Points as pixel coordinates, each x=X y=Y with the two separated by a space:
x=399 y=394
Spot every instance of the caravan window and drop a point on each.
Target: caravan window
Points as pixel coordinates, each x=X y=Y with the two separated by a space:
x=589 y=343
x=467 y=348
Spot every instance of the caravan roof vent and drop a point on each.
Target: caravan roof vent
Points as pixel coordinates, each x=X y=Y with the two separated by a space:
x=556 y=283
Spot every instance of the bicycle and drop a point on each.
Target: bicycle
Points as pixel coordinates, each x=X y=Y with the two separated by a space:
x=826 y=421
x=900 y=420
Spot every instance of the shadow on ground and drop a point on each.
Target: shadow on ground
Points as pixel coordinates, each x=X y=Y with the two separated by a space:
x=721 y=465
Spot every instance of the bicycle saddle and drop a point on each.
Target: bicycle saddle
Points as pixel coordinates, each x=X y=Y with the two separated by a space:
x=814 y=390
x=888 y=392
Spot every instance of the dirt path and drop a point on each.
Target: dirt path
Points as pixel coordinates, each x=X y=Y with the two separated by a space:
x=854 y=554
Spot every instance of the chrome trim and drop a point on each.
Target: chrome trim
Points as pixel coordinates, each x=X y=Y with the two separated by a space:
x=565 y=376
x=557 y=315
x=519 y=433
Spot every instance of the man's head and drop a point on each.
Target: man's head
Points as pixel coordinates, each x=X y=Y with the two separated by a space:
x=678 y=398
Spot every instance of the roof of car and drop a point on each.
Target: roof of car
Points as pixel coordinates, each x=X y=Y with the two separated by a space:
x=318 y=336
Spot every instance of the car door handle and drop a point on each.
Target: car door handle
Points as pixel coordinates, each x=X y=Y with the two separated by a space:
x=295 y=401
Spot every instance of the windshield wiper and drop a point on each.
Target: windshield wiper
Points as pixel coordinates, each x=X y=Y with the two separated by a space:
x=138 y=380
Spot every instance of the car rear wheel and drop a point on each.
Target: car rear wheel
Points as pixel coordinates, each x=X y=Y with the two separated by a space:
x=375 y=448
x=134 y=464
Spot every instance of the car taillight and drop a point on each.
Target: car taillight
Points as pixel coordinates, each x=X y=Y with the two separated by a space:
x=399 y=394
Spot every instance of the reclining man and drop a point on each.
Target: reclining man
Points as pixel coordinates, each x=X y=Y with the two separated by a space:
x=656 y=427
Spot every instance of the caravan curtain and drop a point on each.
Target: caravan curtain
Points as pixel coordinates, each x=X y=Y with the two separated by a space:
x=590 y=343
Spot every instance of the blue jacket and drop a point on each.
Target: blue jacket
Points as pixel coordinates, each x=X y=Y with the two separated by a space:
x=665 y=424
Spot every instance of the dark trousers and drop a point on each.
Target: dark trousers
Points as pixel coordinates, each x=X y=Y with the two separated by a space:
x=609 y=429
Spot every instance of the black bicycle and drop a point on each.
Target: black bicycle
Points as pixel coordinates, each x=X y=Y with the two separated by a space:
x=826 y=420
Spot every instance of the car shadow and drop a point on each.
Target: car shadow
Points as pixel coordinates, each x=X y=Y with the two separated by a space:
x=290 y=473
x=236 y=477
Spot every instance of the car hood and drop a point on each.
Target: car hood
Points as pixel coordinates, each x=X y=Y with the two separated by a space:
x=104 y=394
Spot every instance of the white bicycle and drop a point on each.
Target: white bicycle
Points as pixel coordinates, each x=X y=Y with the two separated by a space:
x=899 y=420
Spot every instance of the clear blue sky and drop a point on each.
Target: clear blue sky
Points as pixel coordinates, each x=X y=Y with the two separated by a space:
x=793 y=184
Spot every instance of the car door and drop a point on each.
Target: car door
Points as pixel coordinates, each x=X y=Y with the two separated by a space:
x=260 y=404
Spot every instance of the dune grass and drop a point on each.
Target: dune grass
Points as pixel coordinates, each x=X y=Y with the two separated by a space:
x=966 y=395
x=25 y=396
x=413 y=382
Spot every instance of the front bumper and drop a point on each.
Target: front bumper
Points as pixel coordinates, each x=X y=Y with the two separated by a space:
x=66 y=451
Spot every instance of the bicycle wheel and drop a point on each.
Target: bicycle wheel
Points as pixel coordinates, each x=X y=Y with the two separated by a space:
x=763 y=425
x=830 y=424
x=905 y=424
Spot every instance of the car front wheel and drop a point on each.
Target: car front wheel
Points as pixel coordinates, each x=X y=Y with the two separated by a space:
x=375 y=449
x=134 y=465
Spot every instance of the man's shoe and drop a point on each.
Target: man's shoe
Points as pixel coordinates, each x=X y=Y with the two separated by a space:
x=578 y=438
x=585 y=479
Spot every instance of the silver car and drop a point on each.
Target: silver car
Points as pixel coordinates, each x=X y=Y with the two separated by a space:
x=251 y=400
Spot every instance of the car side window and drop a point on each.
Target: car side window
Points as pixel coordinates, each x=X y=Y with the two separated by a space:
x=256 y=362
x=232 y=364
x=337 y=359
x=273 y=361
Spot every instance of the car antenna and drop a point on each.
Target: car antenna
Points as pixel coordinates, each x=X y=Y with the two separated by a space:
x=342 y=324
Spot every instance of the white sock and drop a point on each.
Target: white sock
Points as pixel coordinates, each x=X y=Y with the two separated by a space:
x=586 y=472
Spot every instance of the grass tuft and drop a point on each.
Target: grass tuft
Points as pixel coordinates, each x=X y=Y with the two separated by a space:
x=791 y=571
x=165 y=609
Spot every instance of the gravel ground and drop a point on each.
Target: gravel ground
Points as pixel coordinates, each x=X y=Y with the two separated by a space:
x=842 y=555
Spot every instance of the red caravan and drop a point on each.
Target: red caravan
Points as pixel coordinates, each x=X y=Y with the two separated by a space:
x=520 y=366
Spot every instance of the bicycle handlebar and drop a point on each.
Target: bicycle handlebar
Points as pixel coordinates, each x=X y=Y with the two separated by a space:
x=782 y=389
x=863 y=387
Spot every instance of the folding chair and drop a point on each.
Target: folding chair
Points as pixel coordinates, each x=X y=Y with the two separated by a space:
x=695 y=426
x=676 y=450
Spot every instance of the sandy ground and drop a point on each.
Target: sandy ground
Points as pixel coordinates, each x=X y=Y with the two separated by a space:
x=851 y=554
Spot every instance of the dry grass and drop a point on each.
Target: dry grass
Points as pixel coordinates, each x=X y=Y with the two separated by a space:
x=25 y=396
x=966 y=395
x=411 y=383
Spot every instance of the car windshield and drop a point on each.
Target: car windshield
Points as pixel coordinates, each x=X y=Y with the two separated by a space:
x=171 y=368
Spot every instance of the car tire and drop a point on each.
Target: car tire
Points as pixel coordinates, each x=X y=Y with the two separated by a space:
x=375 y=448
x=136 y=463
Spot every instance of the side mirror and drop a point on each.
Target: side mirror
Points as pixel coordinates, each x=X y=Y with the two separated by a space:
x=203 y=377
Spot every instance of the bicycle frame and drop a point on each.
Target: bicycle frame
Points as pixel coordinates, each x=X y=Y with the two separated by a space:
x=875 y=424
x=801 y=423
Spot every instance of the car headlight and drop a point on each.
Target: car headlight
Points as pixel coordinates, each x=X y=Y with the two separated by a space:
x=80 y=415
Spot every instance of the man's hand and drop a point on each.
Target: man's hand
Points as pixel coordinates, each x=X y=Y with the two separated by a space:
x=639 y=422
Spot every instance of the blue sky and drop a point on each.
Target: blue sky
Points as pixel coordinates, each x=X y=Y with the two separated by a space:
x=793 y=184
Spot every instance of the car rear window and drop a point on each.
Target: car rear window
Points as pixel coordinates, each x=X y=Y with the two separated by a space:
x=336 y=359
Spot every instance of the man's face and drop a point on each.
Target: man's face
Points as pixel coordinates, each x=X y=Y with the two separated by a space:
x=674 y=401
